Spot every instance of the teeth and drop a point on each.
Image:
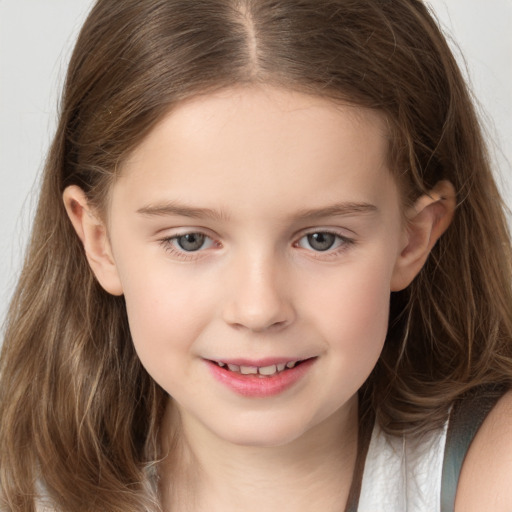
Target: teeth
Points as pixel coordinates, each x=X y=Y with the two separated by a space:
x=261 y=370
x=248 y=370
x=267 y=370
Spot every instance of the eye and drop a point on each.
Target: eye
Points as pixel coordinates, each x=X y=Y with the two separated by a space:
x=322 y=241
x=188 y=242
x=191 y=241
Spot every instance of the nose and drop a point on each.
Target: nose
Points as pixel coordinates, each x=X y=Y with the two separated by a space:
x=258 y=297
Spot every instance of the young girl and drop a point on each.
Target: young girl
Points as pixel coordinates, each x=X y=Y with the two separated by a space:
x=269 y=270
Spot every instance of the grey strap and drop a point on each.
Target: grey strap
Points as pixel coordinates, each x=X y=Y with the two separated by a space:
x=466 y=418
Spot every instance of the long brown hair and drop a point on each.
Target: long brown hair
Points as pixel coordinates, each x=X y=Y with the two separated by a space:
x=79 y=415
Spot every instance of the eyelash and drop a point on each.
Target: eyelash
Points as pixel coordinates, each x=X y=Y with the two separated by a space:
x=342 y=244
x=169 y=245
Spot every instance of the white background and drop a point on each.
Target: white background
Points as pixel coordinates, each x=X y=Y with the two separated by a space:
x=36 y=37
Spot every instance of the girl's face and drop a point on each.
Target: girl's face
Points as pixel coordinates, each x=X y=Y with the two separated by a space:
x=255 y=229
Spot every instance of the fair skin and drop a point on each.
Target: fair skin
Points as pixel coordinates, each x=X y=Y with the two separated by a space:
x=484 y=482
x=296 y=237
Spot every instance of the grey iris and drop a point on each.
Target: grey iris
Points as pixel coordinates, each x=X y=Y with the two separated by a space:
x=191 y=241
x=321 y=241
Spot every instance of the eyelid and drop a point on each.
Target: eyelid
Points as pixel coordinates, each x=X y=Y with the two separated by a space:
x=343 y=233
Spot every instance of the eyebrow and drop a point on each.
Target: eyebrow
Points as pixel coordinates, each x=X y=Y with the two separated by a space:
x=174 y=208
x=338 y=209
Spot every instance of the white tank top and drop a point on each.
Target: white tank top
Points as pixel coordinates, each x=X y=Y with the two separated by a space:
x=403 y=474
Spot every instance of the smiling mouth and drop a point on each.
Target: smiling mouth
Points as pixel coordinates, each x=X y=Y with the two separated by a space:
x=262 y=371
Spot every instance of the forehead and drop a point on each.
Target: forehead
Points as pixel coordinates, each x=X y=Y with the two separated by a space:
x=244 y=144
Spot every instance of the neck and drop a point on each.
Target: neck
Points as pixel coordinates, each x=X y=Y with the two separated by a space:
x=312 y=472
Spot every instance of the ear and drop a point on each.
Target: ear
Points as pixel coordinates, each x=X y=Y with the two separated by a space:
x=427 y=220
x=93 y=234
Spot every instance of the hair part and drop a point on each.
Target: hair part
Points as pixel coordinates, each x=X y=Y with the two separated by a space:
x=78 y=412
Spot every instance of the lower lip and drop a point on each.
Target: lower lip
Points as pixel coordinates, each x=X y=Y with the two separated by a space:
x=260 y=387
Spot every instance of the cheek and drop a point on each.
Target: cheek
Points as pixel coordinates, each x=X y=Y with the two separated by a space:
x=165 y=316
x=366 y=307
x=353 y=313
x=357 y=332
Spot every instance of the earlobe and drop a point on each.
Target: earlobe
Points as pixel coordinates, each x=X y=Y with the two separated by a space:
x=427 y=220
x=93 y=234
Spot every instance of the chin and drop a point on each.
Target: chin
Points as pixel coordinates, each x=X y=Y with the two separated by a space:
x=265 y=431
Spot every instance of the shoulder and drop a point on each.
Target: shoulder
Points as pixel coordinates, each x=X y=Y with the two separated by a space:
x=485 y=478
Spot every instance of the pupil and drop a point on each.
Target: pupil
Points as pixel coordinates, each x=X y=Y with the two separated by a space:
x=191 y=242
x=321 y=241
